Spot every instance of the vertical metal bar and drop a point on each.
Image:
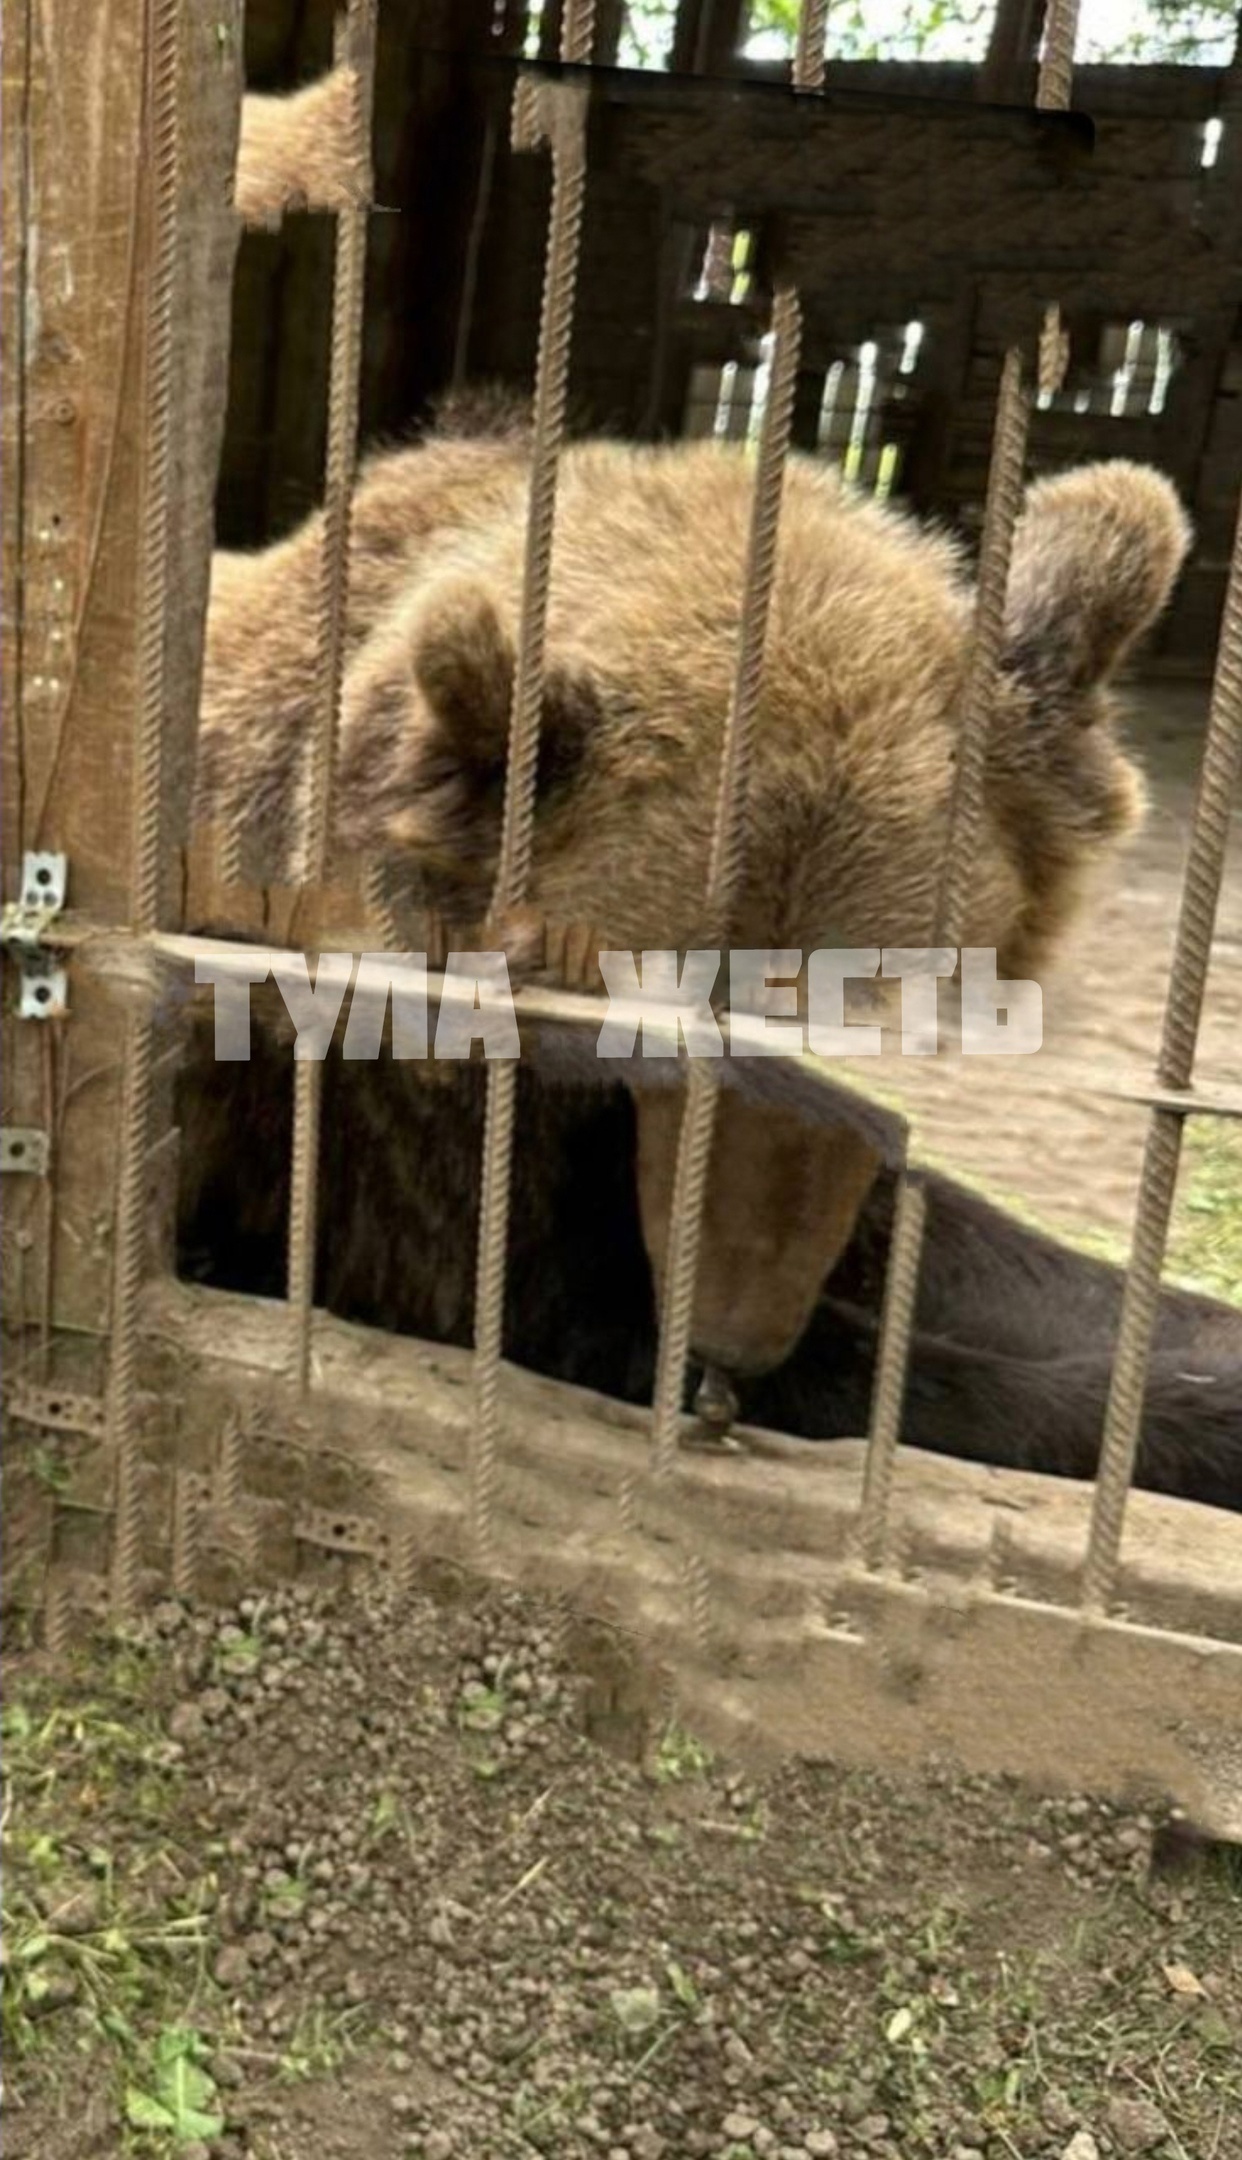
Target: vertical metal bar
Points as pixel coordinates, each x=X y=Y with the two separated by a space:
x=57 y=1613
x=1011 y=431
x=161 y=64
x=578 y=33
x=808 y=66
x=127 y=1283
x=356 y=48
x=564 y=108
x=1192 y=949
x=727 y=861
x=1004 y=499
x=1056 y=59
x=499 y=1120
x=185 y=1533
x=1053 y=89
x=1003 y=503
x=892 y=1361
x=303 y=1213
x=355 y=44
x=694 y=1147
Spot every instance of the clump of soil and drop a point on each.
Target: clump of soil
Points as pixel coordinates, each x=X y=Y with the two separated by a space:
x=318 y=1879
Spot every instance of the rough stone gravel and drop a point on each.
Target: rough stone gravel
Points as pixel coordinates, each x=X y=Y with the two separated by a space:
x=446 y=1923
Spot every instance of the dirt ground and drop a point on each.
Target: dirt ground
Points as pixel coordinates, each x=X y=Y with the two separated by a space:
x=991 y=1120
x=311 y=1880
x=308 y=1881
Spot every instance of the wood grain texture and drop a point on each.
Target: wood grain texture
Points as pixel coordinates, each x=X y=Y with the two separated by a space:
x=77 y=247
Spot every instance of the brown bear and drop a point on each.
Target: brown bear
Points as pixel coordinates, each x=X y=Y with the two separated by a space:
x=302 y=151
x=866 y=662
x=865 y=670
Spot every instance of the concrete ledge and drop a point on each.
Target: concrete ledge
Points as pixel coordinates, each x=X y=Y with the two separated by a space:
x=737 y=1573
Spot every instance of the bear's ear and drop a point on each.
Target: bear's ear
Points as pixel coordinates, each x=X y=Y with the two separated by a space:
x=1096 y=555
x=465 y=666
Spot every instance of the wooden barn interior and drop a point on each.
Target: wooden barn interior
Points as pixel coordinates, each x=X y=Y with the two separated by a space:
x=677 y=249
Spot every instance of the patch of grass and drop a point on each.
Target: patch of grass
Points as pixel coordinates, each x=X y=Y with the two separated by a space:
x=177 y=2097
x=51 y=1469
x=482 y=1709
x=284 y=1896
x=541 y=2116
x=107 y=1937
x=1205 y=1245
x=390 y=1818
x=238 y=1654
x=1205 y=1237
x=680 y=1757
x=320 y=2042
x=1003 y=2039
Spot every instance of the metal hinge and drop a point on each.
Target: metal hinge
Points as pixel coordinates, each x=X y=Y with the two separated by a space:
x=26 y=934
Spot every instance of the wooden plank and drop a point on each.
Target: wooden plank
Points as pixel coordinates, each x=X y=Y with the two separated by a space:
x=15 y=97
x=84 y=238
x=80 y=244
x=1006 y=74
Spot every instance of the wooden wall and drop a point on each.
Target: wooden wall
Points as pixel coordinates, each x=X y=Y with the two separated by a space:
x=456 y=258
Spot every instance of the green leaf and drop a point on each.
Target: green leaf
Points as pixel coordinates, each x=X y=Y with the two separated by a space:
x=482 y=1710
x=185 y=2091
x=384 y=1814
x=144 y=2113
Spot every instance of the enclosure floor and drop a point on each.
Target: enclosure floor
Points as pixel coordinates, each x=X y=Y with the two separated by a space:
x=1070 y=1158
x=454 y=1884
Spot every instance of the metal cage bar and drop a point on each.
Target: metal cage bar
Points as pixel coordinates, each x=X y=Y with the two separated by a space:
x=1010 y=435
x=557 y=112
x=162 y=72
x=355 y=42
x=808 y=64
x=1192 y=950
x=728 y=843
x=727 y=861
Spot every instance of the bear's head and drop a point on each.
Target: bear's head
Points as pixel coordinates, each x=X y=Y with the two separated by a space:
x=866 y=665
x=865 y=670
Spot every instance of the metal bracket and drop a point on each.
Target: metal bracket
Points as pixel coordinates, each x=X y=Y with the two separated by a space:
x=341 y=1533
x=26 y=934
x=59 y=1410
x=24 y=1147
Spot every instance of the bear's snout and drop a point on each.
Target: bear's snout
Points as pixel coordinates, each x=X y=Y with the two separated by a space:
x=780 y=1208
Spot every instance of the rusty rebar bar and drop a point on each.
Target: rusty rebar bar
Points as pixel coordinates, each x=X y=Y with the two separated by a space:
x=130 y=1237
x=808 y=64
x=1192 y=951
x=901 y=1286
x=1010 y=436
x=555 y=112
x=355 y=43
x=725 y=869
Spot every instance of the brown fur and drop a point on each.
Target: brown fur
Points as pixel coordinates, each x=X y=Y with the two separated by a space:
x=301 y=152
x=866 y=663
